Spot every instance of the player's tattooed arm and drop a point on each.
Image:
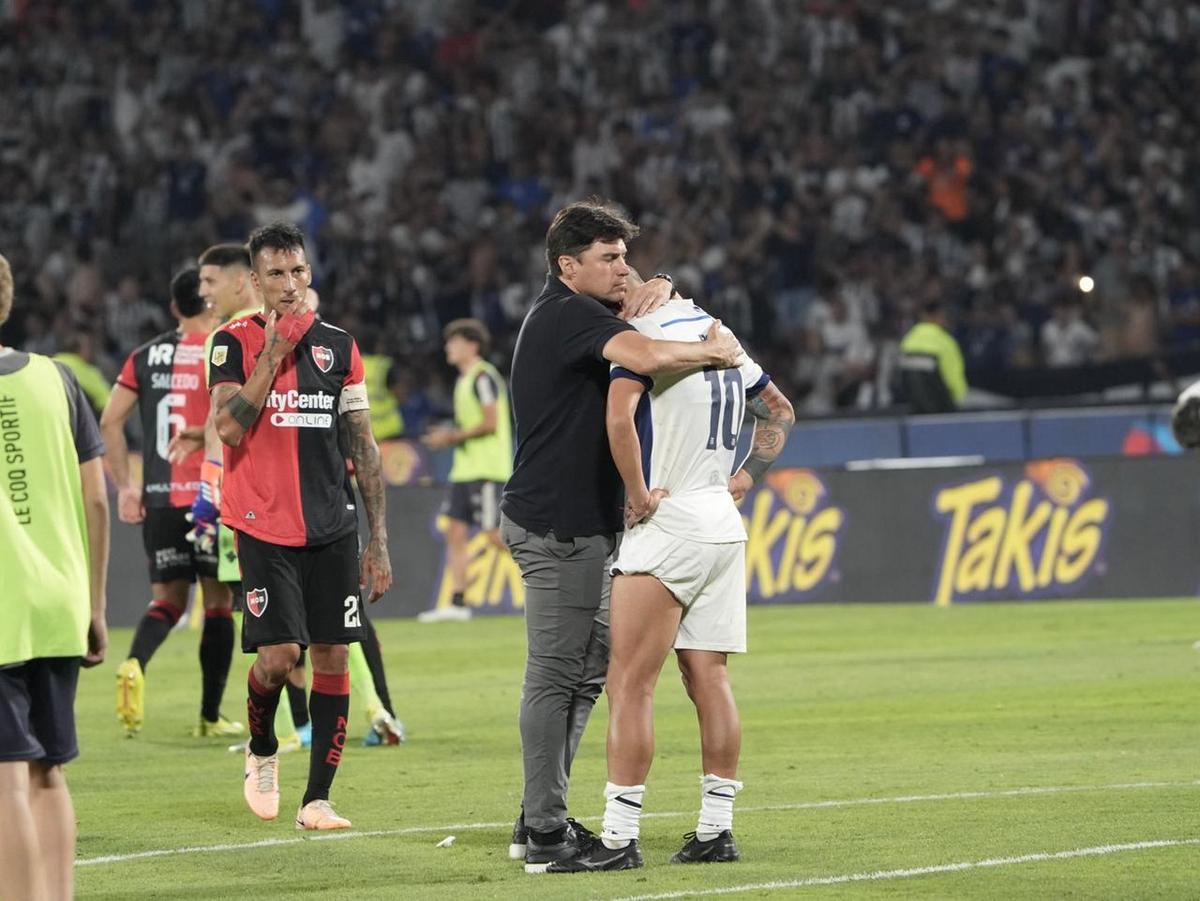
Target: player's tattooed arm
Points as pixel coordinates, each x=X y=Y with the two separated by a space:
x=359 y=442
x=774 y=418
x=235 y=413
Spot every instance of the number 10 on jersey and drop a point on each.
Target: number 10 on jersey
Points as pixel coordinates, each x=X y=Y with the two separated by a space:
x=734 y=398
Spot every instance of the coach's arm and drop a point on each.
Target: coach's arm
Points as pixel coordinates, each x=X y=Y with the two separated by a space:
x=648 y=356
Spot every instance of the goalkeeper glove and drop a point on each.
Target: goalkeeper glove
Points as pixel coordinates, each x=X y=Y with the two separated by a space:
x=206 y=508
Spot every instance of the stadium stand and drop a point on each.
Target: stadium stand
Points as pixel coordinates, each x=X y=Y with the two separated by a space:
x=815 y=170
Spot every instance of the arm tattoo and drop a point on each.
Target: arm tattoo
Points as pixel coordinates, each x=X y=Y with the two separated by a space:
x=243 y=412
x=770 y=434
x=355 y=426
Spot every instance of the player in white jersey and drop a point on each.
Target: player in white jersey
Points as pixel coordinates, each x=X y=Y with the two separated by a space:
x=680 y=576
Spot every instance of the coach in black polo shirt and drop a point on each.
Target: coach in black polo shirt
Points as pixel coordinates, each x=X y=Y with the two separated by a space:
x=561 y=511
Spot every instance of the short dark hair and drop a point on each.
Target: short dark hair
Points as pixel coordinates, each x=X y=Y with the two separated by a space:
x=225 y=255
x=278 y=235
x=577 y=226
x=472 y=330
x=185 y=291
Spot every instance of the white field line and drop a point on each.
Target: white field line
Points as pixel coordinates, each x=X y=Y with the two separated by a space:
x=1096 y=851
x=808 y=805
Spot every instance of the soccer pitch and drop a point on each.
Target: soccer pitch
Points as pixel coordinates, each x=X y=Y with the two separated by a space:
x=1034 y=750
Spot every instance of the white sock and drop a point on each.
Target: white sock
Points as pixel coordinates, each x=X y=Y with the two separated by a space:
x=622 y=814
x=716 y=805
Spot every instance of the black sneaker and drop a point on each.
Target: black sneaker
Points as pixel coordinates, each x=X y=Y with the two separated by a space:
x=520 y=839
x=573 y=838
x=598 y=857
x=721 y=849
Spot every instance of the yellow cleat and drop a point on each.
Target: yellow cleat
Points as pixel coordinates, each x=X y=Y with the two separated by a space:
x=131 y=696
x=220 y=728
x=289 y=743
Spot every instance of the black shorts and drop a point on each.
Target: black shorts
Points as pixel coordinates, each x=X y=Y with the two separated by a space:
x=170 y=554
x=300 y=595
x=475 y=503
x=37 y=710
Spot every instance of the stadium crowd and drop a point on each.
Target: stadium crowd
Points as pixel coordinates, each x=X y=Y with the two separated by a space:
x=813 y=172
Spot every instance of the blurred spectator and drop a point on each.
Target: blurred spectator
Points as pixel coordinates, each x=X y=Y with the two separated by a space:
x=932 y=373
x=78 y=355
x=975 y=153
x=1066 y=339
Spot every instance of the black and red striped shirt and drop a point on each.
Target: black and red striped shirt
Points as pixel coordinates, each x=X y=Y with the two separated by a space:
x=286 y=482
x=167 y=374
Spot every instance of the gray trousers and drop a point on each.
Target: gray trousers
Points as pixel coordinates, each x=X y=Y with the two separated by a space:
x=567 y=588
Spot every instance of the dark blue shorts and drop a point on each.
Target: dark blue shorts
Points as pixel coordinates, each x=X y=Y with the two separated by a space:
x=37 y=710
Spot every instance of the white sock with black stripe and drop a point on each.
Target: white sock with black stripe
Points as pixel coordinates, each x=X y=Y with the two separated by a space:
x=622 y=814
x=716 y=805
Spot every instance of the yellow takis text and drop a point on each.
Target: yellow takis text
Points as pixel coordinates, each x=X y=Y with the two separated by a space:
x=991 y=546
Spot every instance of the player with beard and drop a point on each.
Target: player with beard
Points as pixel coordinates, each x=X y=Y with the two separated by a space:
x=289 y=393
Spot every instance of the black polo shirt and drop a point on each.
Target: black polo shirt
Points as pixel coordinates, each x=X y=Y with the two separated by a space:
x=564 y=477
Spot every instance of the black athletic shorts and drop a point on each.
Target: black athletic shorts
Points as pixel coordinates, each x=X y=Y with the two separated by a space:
x=37 y=710
x=475 y=503
x=170 y=554
x=300 y=595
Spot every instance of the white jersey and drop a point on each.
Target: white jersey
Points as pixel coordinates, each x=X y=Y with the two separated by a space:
x=688 y=425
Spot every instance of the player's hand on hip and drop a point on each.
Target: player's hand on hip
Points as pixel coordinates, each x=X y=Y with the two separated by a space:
x=646 y=298
x=129 y=505
x=739 y=484
x=375 y=570
x=97 y=641
x=639 y=509
x=182 y=446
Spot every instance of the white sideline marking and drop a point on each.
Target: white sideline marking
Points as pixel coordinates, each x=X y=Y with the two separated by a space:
x=808 y=805
x=1097 y=851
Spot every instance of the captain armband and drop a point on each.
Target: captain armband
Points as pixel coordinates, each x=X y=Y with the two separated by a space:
x=353 y=397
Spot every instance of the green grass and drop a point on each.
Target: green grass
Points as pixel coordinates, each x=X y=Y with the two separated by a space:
x=838 y=703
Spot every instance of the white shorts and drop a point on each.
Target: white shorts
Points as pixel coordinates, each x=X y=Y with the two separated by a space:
x=709 y=580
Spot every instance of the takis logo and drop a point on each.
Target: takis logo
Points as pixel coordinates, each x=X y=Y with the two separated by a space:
x=793 y=535
x=323 y=357
x=1037 y=536
x=256 y=601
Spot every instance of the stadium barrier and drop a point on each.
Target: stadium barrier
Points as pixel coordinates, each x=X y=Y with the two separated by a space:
x=1061 y=527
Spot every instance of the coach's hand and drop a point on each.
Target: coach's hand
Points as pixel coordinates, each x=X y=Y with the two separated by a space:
x=639 y=509
x=129 y=505
x=375 y=569
x=726 y=351
x=646 y=298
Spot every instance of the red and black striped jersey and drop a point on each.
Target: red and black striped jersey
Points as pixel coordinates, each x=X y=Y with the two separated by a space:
x=167 y=374
x=286 y=482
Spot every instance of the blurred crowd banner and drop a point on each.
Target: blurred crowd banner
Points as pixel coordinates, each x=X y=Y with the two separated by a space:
x=1053 y=528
